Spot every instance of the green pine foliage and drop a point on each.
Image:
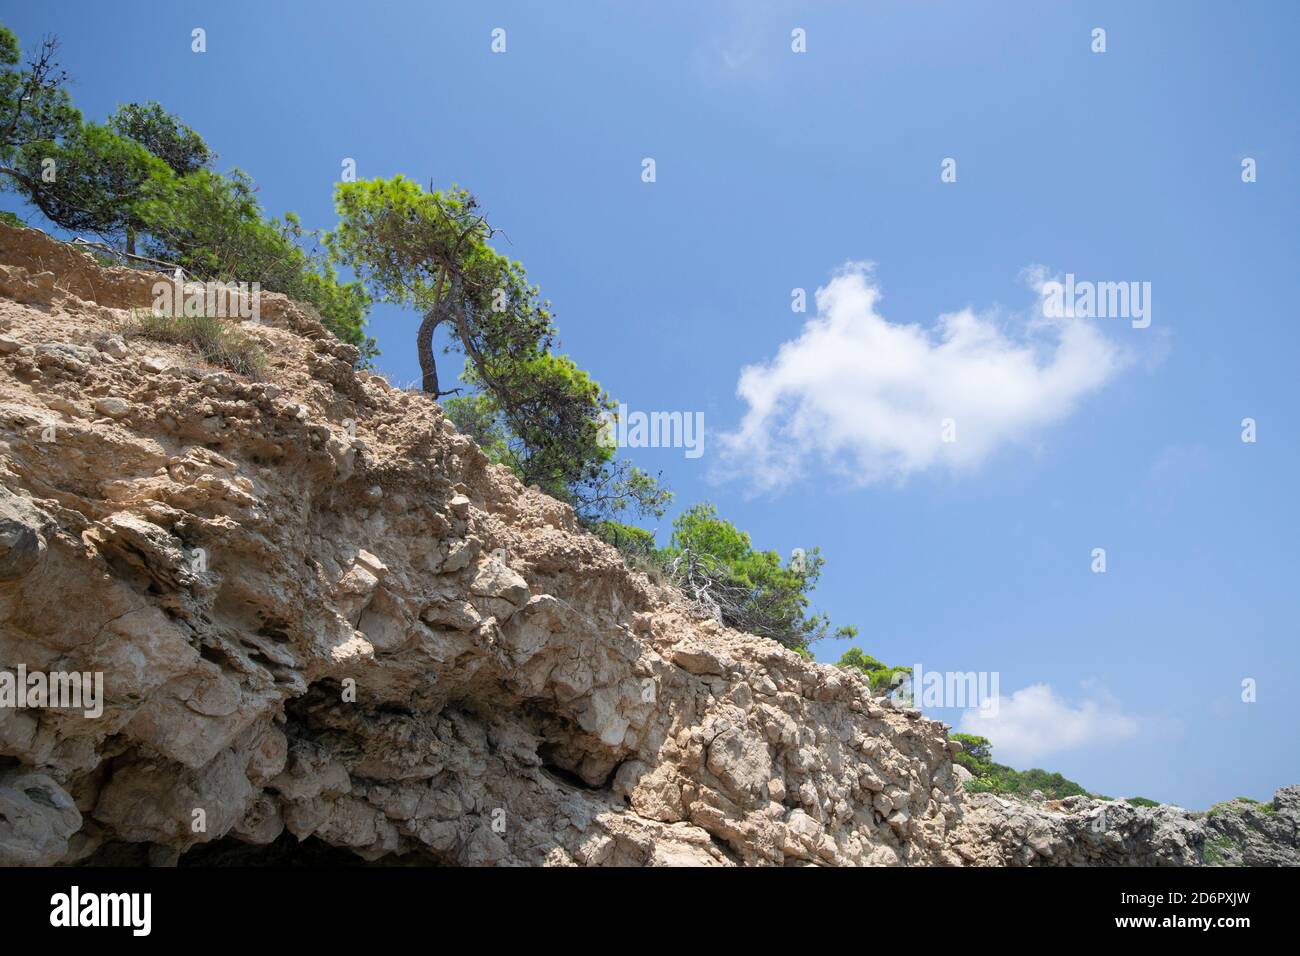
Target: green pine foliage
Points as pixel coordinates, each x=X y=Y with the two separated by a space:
x=976 y=756
x=717 y=567
x=882 y=676
x=536 y=411
x=142 y=181
x=213 y=226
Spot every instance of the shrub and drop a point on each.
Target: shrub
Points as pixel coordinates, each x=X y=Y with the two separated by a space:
x=1216 y=849
x=974 y=748
x=630 y=540
x=715 y=565
x=216 y=341
x=881 y=675
x=1238 y=804
x=213 y=226
x=636 y=545
x=1142 y=802
x=977 y=757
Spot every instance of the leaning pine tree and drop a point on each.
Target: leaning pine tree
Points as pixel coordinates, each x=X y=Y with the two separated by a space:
x=534 y=410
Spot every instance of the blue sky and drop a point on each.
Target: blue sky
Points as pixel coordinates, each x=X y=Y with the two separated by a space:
x=774 y=170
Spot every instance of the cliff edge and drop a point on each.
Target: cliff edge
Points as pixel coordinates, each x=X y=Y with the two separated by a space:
x=327 y=625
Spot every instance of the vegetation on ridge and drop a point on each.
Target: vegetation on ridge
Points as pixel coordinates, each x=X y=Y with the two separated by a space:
x=882 y=676
x=977 y=757
x=217 y=342
x=719 y=570
x=143 y=182
x=532 y=409
x=990 y=777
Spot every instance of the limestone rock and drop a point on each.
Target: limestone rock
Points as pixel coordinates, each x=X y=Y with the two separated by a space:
x=297 y=597
x=112 y=407
x=36 y=819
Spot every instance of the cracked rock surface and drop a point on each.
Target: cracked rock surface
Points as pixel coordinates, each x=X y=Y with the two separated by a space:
x=1081 y=831
x=325 y=620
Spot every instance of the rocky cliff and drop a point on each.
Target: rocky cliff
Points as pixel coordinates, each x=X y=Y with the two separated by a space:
x=328 y=626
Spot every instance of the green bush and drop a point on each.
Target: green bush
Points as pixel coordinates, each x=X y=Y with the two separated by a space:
x=1215 y=850
x=715 y=564
x=1142 y=802
x=212 y=226
x=881 y=675
x=1238 y=804
x=974 y=748
x=629 y=539
x=144 y=177
x=977 y=757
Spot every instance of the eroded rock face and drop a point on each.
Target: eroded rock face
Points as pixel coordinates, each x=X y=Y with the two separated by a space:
x=1077 y=831
x=1241 y=833
x=1081 y=831
x=321 y=612
x=36 y=819
x=322 y=615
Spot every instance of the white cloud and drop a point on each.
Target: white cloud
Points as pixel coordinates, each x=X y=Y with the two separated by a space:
x=869 y=397
x=1034 y=722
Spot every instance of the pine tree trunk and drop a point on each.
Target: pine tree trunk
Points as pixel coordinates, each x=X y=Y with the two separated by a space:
x=424 y=349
